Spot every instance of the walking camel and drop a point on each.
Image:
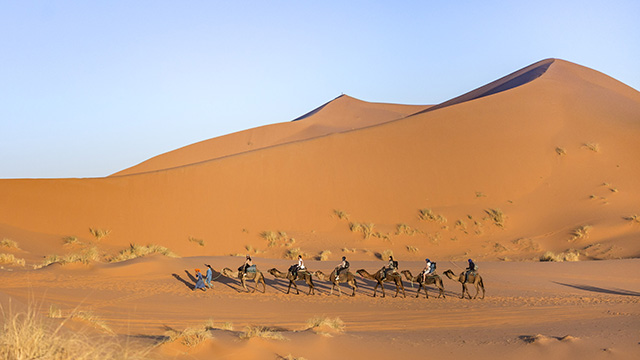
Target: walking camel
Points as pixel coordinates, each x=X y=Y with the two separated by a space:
x=345 y=276
x=473 y=278
x=377 y=276
x=257 y=276
x=301 y=275
x=431 y=279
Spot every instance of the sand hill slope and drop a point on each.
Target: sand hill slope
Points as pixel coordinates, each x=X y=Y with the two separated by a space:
x=341 y=114
x=544 y=162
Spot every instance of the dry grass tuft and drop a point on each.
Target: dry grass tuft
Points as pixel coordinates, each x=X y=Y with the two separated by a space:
x=11 y=260
x=261 y=332
x=341 y=214
x=386 y=253
x=324 y=255
x=633 y=218
x=136 y=251
x=497 y=216
x=335 y=325
x=406 y=229
x=592 y=146
x=71 y=240
x=99 y=233
x=8 y=243
x=570 y=255
x=581 y=232
x=277 y=238
x=85 y=256
x=293 y=253
x=190 y=336
x=365 y=229
x=560 y=151
x=289 y=357
x=412 y=249
x=429 y=215
x=197 y=241
x=25 y=335
x=347 y=250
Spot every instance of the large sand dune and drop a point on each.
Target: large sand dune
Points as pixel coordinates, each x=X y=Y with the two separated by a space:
x=544 y=159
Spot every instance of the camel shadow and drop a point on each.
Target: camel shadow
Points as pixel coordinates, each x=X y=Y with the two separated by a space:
x=191 y=286
x=601 y=290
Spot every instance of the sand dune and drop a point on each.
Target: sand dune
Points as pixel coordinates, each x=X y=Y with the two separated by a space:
x=540 y=163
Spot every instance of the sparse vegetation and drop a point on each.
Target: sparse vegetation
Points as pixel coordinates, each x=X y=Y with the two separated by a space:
x=592 y=146
x=570 y=255
x=341 y=214
x=197 y=241
x=8 y=243
x=25 y=335
x=347 y=250
x=560 y=151
x=365 y=229
x=11 y=260
x=293 y=253
x=461 y=225
x=277 y=238
x=497 y=216
x=429 y=215
x=70 y=240
x=323 y=322
x=324 y=255
x=261 y=332
x=633 y=218
x=581 y=232
x=190 y=336
x=99 y=233
x=412 y=249
x=136 y=251
x=480 y=194
x=85 y=256
x=386 y=253
x=406 y=229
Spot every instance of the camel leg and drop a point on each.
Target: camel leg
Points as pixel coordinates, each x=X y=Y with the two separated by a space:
x=382 y=287
x=418 y=292
x=289 y=288
x=296 y=286
x=311 y=287
x=464 y=289
x=426 y=293
x=354 y=286
x=404 y=295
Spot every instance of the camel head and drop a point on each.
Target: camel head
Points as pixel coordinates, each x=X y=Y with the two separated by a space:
x=450 y=274
x=320 y=275
x=275 y=272
x=363 y=272
x=228 y=273
x=407 y=274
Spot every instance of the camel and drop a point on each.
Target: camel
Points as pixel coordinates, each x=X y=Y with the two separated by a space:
x=431 y=279
x=474 y=279
x=301 y=275
x=377 y=276
x=257 y=276
x=345 y=276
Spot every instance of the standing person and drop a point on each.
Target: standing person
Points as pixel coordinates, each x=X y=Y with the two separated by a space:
x=471 y=269
x=342 y=266
x=428 y=269
x=208 y=276
x=199 y=281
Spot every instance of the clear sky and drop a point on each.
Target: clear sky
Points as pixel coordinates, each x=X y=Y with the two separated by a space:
x=88 y=88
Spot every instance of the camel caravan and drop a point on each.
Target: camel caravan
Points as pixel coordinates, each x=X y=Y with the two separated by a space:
x=341 y=274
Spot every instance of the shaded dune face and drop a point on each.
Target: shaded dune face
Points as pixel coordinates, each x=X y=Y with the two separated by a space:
x=508 y=82
x=380 y=164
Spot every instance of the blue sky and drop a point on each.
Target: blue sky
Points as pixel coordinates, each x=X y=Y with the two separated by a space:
x=90 y=88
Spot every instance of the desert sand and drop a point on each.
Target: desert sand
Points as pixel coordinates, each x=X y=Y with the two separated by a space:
x=540 y=164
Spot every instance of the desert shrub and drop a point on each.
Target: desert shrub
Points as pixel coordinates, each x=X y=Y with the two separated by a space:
x=99 y=233
x=11 y=260
x=341 y=214
x=406 y=229
x=324 y=255
x=633 y=218
x=386 y=253
x=197 y=241
x=261 y=332
x=85 y=256
x=581 y=232
x=136 y=251
x=335 y=324
x=190 y=336
x=347 y=250
x=365 y=229
x=412 y=249
x=70 y=240
x=429 y=215
x=560 y=151
x=570 y=255
x=8 y=243
x=497 y=216
x=25 y=335
x=293 y=253
x=592 y=146
x=462 y=225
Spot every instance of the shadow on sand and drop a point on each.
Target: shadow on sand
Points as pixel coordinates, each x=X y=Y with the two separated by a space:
x=601 y=290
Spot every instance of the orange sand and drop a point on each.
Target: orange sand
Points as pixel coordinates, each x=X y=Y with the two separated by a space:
x=553 y=147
